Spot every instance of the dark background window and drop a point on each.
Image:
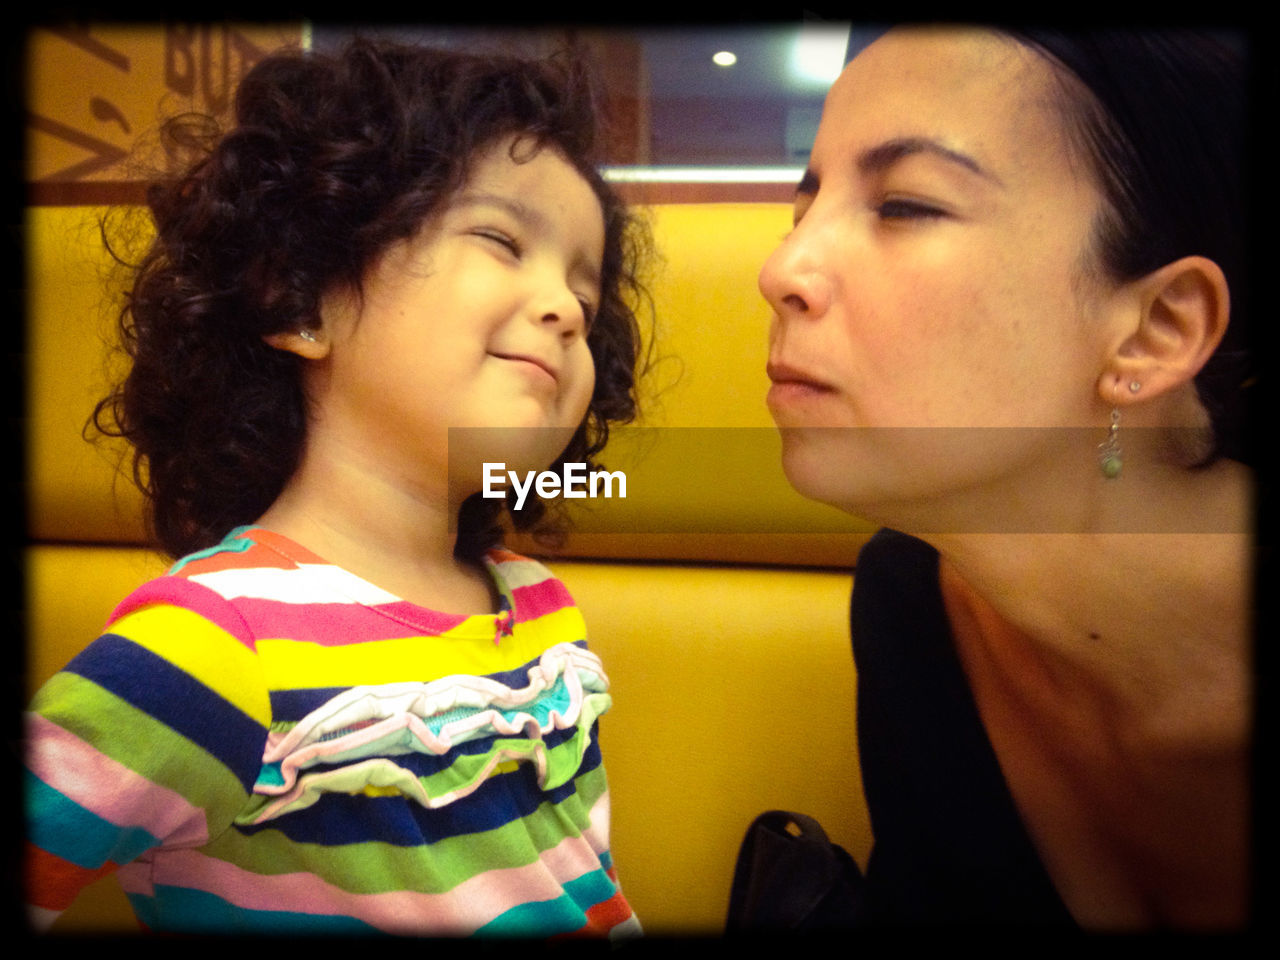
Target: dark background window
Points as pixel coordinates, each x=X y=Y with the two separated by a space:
x=671 y=104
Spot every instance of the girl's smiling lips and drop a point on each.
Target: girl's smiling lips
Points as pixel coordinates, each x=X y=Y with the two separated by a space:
x=538 y=362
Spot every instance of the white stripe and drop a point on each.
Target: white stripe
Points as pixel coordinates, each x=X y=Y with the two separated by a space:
x=309 y=583
x=41 y=918
x=523 y=573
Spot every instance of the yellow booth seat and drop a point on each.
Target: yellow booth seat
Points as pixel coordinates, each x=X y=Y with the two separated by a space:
x=717 y=597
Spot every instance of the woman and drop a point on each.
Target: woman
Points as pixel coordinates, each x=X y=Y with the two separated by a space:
x=1031 y=246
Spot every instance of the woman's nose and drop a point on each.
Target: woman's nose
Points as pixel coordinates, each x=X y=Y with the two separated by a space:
x=793 y=280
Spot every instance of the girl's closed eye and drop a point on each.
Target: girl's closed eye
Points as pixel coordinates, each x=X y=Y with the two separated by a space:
x=502 y=239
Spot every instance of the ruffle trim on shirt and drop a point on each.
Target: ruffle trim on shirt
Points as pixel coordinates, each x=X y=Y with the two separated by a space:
x=355 y=735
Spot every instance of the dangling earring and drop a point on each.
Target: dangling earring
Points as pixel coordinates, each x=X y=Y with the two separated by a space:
x=1109 y=454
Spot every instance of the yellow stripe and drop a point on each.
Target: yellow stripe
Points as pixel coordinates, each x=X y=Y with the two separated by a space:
x=566 y=624
x=203 y=650
x=294 y=664
x=369 y=790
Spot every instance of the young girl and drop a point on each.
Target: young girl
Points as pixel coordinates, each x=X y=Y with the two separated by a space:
x=347 y=709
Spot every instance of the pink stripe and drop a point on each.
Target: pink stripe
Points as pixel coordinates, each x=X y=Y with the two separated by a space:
x=340 y=624
x=597 y=831
x=195 y=597
x=462 y=910
x=570 y=859
x=135 y=876
x=539 y=599
x=108 y=788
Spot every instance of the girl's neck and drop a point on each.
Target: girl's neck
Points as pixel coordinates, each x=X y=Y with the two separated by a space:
x=396 y=535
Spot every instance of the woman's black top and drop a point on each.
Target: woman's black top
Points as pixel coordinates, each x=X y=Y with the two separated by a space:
x=950 y=846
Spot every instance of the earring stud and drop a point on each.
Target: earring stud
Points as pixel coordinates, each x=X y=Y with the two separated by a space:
x=307 y=335
x=1134 y=386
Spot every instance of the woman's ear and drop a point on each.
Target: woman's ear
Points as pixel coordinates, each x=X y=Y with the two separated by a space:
x=305 y=342
x=1183 y=309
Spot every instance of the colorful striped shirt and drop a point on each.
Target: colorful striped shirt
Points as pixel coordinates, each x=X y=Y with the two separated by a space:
x=261 y=741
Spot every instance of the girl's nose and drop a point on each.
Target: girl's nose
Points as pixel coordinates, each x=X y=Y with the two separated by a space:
x=561 y=307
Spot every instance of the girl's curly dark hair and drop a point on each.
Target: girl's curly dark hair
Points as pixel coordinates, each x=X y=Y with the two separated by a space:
x=332 y=158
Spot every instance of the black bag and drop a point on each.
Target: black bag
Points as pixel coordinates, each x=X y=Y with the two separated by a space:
x=791 y=879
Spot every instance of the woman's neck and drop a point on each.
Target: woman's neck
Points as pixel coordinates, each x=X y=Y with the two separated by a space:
x=1112 y=673
x=1156 y=624
x=1110 y=751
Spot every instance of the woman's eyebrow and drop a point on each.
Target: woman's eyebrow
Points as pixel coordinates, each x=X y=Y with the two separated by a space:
x=884 y=155
x=881 y=157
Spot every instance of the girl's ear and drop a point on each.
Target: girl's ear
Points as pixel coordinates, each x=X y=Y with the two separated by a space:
x=306 y=343
x=1182 y=313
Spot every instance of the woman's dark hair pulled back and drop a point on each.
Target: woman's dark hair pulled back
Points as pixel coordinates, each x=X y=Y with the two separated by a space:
x=1162 y=116
x=330 y=160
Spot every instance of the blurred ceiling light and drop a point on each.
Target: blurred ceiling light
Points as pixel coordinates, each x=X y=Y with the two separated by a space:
x=818 y=55
x=725 y=58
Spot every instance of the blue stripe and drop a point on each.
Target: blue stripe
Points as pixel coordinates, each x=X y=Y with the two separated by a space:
x=545 y=918
x=228 y=545
x=290 y=706
x=536 y=920
x=590 y=889
x=176 y=699
x=64 y=828
x=197 y=911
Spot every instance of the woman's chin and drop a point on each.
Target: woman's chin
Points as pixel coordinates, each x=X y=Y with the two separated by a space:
x=826 y=476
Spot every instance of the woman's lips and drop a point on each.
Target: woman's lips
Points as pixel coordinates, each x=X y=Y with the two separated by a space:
x=794 y=379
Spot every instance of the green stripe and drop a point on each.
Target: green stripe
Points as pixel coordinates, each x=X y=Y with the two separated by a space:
x=437 y=868
x=135 y=739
